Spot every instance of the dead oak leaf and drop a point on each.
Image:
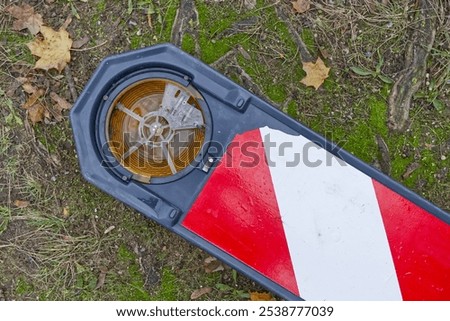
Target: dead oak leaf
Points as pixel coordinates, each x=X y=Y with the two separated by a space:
x=301 y=6
x=62 y=104
x=316 y=73
x=33 y=99
x=26 y=18
x=54 y=49
x=29 y=88
x=36 y=113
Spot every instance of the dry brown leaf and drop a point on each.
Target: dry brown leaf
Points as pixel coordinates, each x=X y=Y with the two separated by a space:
x=29 y=88
x=61 y=102
x=244 y=53
x=212 y=265
x=21 y=204
x=54 y=49
x=301 y=6
x=47 y=113
x=36 y=113
x=410 y=169
x=260 y=296
x=11 y=91
x=33 y=99
x=316 y=73
x=26 y=18
x=101 y=278
x=77 y=44
x=199 y=292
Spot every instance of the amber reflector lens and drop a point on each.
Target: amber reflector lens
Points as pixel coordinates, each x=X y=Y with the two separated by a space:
x=156 y=128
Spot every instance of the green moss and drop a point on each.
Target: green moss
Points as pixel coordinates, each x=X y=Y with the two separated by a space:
x=292 y=109
x=307 y=36
x=399 y=164
x=166 y=18
x=359 y=138
x=101 y=5
x=23 y=287
x=52 y=137
x=276 y=92
x=169 y=288
x=330 y=83
x=361 y=141
x=85 y=282
x=213 y=22
x=188 y=44
x=281 y=31
x=15 y=46
x=140 y=41
x=133 y=289
x=378 y=116
x=136 y=41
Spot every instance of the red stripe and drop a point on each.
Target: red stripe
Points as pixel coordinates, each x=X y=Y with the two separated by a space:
x=238 y=212
x=420 y=246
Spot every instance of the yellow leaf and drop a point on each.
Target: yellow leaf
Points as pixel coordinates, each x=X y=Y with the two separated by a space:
x=54 y=49
x=260 y=296
x=301 y=6
x=66 y=212
x=21 y=204
x=316 y=73
x=26 y=18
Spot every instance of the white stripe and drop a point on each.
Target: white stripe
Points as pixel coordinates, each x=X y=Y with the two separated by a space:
x=333 y=225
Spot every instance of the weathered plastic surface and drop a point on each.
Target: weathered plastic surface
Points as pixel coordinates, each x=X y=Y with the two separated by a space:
x=280 y=203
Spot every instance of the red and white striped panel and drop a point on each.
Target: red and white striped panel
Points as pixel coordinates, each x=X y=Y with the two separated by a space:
x=322 y=232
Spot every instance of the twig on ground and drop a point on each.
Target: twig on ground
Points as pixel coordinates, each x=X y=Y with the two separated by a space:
x=304 y=52
x=90 y=48
x=186 y=21
x=70 y=83
x=411 y=77
x=384 y=158
x=223 y=59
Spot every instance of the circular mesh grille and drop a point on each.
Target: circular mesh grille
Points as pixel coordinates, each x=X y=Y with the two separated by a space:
x=156 y=128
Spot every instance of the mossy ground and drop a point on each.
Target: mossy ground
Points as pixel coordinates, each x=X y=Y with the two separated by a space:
x=56 y=248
